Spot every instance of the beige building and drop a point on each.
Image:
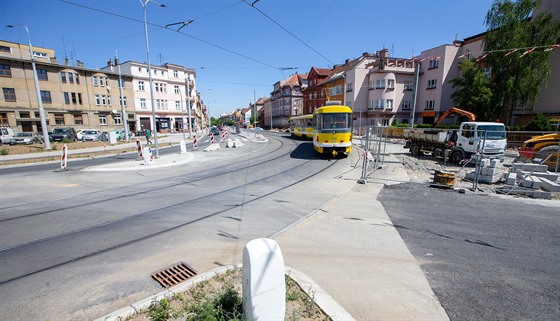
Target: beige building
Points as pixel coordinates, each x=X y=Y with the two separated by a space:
x=174 y=88
x=72 y=96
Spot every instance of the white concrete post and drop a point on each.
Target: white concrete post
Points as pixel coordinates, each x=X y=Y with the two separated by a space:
x=264 y=286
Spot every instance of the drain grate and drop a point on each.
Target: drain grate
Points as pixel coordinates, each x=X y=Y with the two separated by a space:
x=173 y=275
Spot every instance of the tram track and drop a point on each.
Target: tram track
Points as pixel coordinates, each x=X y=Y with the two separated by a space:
x=96 y=230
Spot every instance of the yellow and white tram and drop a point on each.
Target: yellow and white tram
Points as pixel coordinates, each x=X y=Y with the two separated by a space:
x=332 y=129
x=301 y=126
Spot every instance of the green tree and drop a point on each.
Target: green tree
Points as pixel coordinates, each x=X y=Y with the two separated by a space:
x=539 y=123
x=518 y=77
x=472 y=91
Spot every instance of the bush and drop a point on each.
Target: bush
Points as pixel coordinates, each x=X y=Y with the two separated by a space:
x=539 y=123
x=4 y=151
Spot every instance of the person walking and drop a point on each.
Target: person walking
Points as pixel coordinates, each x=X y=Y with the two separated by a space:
x=148 y=135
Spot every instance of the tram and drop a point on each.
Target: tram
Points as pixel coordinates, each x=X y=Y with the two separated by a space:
x=332 y=129
x=301 y=126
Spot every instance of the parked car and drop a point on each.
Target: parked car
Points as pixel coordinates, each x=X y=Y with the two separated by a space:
x=90 y=135
x=214 y=131
x=27 y=138
x=6 y=134
x=61 y=133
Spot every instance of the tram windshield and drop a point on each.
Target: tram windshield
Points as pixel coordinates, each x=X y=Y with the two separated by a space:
x=334 y=121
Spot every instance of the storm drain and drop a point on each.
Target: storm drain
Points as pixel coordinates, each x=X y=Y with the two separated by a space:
x=173 y=275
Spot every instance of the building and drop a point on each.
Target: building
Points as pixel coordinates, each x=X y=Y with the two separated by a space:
x=287 y=99
x=314 y=95
x=174 y=92
x=72 y=96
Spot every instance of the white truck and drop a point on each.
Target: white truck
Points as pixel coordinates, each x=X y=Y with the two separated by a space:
x=486 y=138
x=6 y=135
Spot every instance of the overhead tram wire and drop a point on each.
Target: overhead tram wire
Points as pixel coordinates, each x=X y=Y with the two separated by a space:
x=283 y=28
x=181 y=33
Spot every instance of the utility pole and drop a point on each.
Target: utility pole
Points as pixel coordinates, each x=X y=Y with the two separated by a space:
x=121 y=99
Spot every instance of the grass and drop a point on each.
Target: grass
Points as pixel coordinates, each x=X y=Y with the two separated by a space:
x=220 y=299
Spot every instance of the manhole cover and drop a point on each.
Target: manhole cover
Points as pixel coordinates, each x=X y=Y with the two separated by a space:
x=173 y=275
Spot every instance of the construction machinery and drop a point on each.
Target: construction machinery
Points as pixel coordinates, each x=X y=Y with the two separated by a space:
x=454 y=110
x=545 y=148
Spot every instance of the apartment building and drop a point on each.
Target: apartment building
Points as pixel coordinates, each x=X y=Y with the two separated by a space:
x=174 y=93
x=314 y=94
x=287 y=99
x=72 y=96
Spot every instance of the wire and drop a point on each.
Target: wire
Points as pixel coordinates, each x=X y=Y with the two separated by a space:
x=181 y=33
x=289 y=32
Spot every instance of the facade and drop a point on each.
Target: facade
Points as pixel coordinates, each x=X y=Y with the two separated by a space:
x=72 y=96
x=390 y=91
x=174 y=91
x=287 y=99
x=314 y=95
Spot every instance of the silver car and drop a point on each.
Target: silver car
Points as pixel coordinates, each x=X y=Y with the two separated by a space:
x=27 y=138
x=91 y=135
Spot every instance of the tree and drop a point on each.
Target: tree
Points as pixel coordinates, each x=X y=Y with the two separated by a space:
x=472 y=91
x=518 y=76
x=539 y=123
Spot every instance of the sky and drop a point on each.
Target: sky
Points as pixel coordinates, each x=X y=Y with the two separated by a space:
x=238 y=50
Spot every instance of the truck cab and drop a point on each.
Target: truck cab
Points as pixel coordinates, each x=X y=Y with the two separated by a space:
x=485 y=137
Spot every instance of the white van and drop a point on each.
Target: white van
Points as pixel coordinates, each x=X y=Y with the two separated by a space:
x=6 y=134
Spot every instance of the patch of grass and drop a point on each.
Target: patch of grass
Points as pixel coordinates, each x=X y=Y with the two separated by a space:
x=4 y=151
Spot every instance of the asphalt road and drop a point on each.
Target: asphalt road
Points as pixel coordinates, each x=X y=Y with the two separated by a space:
x=486 y=257
x=78 y=245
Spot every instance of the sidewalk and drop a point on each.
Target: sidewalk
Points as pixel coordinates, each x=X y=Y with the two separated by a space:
x=347 y=255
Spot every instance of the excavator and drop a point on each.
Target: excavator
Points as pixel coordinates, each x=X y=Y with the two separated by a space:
x=544 y=147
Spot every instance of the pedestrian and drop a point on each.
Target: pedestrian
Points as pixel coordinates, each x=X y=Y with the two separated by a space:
x=148 y=135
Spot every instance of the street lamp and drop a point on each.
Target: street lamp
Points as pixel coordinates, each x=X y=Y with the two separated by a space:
x=37 y=91
x=189 y=105
x=144 y=5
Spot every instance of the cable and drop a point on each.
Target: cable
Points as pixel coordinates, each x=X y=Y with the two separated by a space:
x=289 y=32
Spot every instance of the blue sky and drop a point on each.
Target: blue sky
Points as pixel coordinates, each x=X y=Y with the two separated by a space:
x=237 y=51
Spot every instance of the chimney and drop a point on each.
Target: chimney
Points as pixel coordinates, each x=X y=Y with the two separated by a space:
x=80 y=64
x=66 y=61
x=53 y=60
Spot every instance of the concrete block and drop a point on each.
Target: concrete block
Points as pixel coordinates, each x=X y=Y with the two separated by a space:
x=212 y=147
x=548 y=175
x=511 y=179
x=489 y=171
x=485 y=162
x=549 y=185
x=494 y=163
x=539 y=194
x=532 y=182
x=534 y=168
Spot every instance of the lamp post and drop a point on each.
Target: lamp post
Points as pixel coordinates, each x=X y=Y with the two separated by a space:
x=37 y=91
x=144 y=5
x=189 y=105
x=182 y=116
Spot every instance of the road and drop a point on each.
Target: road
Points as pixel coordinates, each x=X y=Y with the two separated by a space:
x=79 y=245
x=486 y=257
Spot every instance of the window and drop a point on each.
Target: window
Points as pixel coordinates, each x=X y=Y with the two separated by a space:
x=4 y=119
x=122 y=101
x=431 y=84
x=349 y=86
x=160 y=87
x=118 y=119
x=406 y=104
x=178 y=105
x=139 y=69
x=97 y=100
x=103 y=100
x=158 y=103
x=371 y=104
x=80 y=98
x=63 y=77
x=175 y=73
x=59 y=119
x=391 y=83
x=46 y=96
x=95 y=80
x=9 y=94
x=5 y=49
x=109 y=101
x=379 y=103
x=70 y=77
x=176 y=88
x=121 y=83
x=77 y=78
x=408 y=85
x=434 y=63
x=66 y=98
x=78 y=120
x=103 y=120
x=42 y=74
x=141 y=86
x=102 y=81
x=380 y=83
x=430 y=104
x=74 y=100
x=143 y=103
x=5 y=71
x=39 y=54
x=389 y=104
